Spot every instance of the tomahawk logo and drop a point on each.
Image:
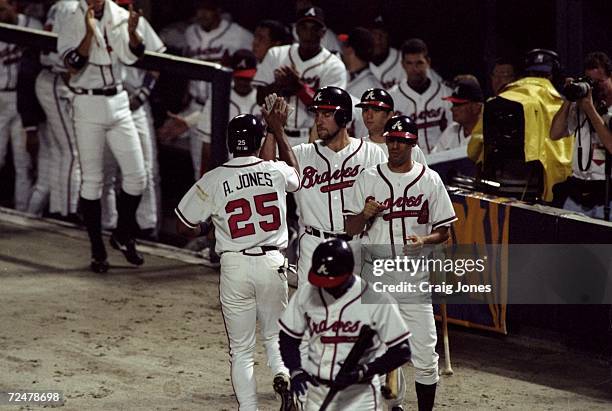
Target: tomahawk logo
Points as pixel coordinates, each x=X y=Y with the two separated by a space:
x=322 y=270
x=318 y=97
x=310 y=12
x=370 y=95
x=397 y=126
x=456 y=90
x=242 y=64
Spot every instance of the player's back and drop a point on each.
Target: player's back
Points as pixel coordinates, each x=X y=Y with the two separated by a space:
x=250 y=200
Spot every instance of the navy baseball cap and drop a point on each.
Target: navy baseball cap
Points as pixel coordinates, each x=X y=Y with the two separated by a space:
x=313 y=14
x=244 y=63
x=466 y=91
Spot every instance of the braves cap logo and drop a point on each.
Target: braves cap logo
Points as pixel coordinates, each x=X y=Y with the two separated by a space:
x=242 y=64
x=370 y=95
x=310 y=12
x=318 y=97
x=378 y=19
x=322 y=270
x=539 y=58
x=397 y=126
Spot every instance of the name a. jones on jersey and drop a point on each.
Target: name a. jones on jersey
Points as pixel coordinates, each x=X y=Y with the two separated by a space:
x=260 y=178
x=312 y=177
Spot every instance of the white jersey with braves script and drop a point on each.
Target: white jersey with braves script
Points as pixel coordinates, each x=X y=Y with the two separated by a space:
x=328 y=178
x=246 y=199
x=10 y=55
x=324 y=69
x=417 y=154
x=453 y=137
x=331 y=326
x=390 y=72
x=215 y=46
x=592 y=164
x=431 y=114
x=415 y=203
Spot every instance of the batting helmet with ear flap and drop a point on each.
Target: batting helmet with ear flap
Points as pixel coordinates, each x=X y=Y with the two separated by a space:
x=332 y=264
x=244 y=134
x=334 y=99
x=376 y=97
x=401 y=127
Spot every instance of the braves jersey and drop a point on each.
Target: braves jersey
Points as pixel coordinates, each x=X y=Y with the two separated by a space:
x=246 y=199
x=415 y=203
x=361 y=81
x=390 y=72
x=331 y=326
x=215 y=46
x=10 y=55
x=593 y=151
x=428 y=110
x=453 y=137
x=328 y=178
x=325 y=69
x=56 y=14
x=416 y=155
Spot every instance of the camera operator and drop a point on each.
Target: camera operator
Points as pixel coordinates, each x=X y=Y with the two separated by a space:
x=585 y=114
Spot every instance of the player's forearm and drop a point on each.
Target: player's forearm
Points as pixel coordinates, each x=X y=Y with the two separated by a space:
x=558 y=127
x=393 y=358
x=438 y=236
x=183 y=230
x=285 y=151
x=290 y=351
x=268 y=148
x=355 y=224
x=85 y=45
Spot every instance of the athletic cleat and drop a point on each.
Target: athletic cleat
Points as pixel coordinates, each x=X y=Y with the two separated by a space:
x=128 y=249
x=397 y=408
x=281 y=387
x=98 y=266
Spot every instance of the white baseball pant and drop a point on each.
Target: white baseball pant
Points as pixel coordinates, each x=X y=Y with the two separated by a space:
x=251 y=289
x=39 y=200
x=99 y=120
x=11 y=130
x=359 y=397
x=64 y=170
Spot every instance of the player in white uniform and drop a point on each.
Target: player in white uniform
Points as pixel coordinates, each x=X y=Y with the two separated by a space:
x=102 y=116
x=11 y=128
x=467 y=100
x=329 y=314
x=404 y=203
x=296 y=71
x=329 y=167
x=246 y=199
x=420 y=95
x=357 y=48
x=386 y=61
x=376 y=109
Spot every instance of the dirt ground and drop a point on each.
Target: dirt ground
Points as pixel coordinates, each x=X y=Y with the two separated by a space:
x=152 y=338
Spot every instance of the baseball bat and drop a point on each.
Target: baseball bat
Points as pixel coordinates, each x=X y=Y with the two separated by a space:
x=364 y=341
x=447 y=360
x=390 y=389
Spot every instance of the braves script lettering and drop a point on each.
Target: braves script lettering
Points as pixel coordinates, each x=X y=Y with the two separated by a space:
x=312 y=177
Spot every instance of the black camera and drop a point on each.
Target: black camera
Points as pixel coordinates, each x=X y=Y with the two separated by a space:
x=577 y=89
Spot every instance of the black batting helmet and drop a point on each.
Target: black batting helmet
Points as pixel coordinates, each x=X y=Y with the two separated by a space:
x=401 y=127
x=376 y=97
x=334 y=99
x=332 y=264
x=244 y=134
x=542 y=61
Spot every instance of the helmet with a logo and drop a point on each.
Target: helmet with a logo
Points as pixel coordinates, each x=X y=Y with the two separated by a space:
x=376 y=97
x=334 y=99
x=401 y=127
x=332 y=264
x=244 y=134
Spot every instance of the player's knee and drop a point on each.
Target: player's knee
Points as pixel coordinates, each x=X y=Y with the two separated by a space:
x=91 y=189
x=427 y=376
x=135 y=183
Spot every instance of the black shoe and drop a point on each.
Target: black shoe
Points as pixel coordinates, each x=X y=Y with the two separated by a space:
x=128 y=249
x=99 y=266
x=281 y=387
x=397 y=408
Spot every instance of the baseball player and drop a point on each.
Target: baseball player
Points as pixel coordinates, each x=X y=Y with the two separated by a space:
x=95 y=42
x=357 y=47
x=329 y=40
x=376 y=109
x=11 y=128
x=295 y=71
x=328 y=314
x=404 y=203
x=467 y=104
x=268 y=34
x=246 y=199
x=386 y=62
x=420 y=95
x=329 y=167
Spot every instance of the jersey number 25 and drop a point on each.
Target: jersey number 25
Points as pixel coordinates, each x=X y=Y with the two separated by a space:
x=235 y=221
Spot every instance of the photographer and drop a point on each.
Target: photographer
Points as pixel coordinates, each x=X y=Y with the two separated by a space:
x=585 y=115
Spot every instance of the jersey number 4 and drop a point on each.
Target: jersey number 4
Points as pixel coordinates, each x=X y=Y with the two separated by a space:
x=235 y=221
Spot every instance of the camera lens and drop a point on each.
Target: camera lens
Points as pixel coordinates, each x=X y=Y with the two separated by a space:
x=576 y=90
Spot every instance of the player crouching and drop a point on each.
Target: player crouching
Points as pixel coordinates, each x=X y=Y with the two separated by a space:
x=342 y=366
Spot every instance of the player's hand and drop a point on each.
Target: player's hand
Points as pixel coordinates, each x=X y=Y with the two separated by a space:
x=586 y=103
x=276 y=118
x=90 y=20
x=345 y=379
x=133 y=19
x=299 y=382
x=414 y=246
x=288 y=79
x=372 y=208
x=173 y=127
